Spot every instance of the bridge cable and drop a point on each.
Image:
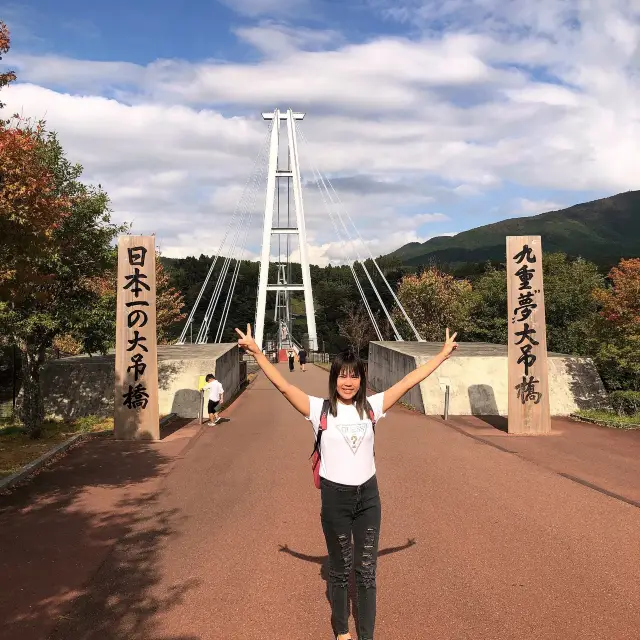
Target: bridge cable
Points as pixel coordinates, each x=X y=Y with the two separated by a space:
x=348 y=215
x=190 y=319
x=204 y=328
x=234 y=278
x=398 y=337
x=202 y=336
x=355 y=275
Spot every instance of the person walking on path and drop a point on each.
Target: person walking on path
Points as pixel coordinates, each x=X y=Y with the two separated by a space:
x=292 y=360
x=302 y=357
x=350 y=500
x=216 y=397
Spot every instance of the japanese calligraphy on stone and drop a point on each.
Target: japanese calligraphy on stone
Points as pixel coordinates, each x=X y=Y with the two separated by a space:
x=136 y=396
x=526 y=341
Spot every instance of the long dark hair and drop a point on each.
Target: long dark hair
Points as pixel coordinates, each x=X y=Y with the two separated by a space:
x=350 y=362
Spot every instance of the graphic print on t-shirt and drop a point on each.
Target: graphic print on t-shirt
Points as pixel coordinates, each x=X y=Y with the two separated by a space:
x=353 y=434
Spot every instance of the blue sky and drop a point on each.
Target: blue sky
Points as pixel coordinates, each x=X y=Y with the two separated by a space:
x=432 y=117
x=190 y=30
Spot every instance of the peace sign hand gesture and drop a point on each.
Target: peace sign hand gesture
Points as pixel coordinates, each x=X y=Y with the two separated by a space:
x=450 y=344
x=246 y=342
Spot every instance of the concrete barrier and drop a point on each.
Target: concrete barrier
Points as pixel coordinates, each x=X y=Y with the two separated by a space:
x=84 y=385
x=477 y=377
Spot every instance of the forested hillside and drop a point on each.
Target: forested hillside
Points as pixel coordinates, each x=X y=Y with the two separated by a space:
x=602 y=231
x=333 y=289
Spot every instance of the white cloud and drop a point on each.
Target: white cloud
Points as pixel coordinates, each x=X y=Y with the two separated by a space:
x=526 y=207
x=278 y=40
x=254 y=8
x=543 y=95
x=83 y=75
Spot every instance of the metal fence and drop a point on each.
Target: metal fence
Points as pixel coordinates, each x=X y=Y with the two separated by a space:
x=320 y=357
x=315 y=357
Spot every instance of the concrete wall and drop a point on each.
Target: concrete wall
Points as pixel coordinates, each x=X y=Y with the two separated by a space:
x=80 y=386
x=477 y=377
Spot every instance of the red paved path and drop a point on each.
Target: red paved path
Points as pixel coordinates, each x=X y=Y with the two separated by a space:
x=501 y=547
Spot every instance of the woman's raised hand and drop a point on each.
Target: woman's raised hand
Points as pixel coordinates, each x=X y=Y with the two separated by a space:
x=450 y=344
x=246 y=342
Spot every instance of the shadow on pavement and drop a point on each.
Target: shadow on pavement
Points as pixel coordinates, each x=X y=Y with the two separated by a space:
x=497 y=422
x=173 y=426
x=323 y=561
x=80 y=543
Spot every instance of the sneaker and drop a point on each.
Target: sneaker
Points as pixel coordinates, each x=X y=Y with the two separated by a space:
x=210 y=424
x=216 y=421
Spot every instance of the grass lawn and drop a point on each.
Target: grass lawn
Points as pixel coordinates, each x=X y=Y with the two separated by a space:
x=610 y=419
x=17 y=449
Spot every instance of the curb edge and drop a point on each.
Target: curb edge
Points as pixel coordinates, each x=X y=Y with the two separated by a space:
x=34 y=466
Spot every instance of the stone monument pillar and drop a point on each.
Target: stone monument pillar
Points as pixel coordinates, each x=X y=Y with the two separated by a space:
x=136 y=376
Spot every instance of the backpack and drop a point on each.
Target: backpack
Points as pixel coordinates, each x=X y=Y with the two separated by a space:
x=315 y=456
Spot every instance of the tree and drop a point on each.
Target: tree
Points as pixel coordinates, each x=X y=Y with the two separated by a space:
x=570 y=307
x=434 y=301
x=48 y=285
x=31 y=207
x=100 y=327
x=618 y=353
x=169 y=304
x=6 y=77
x=356 y=326
x=488 y=322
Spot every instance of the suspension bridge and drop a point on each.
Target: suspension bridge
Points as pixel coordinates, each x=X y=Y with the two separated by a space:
x=276 y=173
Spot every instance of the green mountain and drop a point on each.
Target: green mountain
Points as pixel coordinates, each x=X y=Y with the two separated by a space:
x=602 y=231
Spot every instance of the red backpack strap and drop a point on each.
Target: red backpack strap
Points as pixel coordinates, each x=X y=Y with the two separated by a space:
x=372 y=415
x=326 y=406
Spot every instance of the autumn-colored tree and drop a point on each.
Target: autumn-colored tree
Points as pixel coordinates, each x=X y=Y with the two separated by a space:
x=618 y=356
x=58 y=239
x=434 y=301
x=5 y=44
x=67 y=345
x=169 y=304
x=31 y=207
x=621 y=302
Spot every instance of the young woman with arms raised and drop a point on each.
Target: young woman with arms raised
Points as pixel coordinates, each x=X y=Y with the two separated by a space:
x=349 y=488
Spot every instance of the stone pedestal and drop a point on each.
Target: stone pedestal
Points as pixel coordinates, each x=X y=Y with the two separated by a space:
x=83 y=385
x=477 y=375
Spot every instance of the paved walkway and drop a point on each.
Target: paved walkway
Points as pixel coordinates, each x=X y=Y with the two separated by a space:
x=222 y=540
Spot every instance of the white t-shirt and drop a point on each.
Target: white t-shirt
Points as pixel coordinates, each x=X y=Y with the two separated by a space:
x=346 y=448
x=215 y=390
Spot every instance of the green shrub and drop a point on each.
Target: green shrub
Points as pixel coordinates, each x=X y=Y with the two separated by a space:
x=625 y=403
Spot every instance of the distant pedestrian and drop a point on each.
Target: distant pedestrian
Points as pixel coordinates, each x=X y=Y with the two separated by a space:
x=346 y=472
x=302 y=357
x=216 y=397
x=292 y=360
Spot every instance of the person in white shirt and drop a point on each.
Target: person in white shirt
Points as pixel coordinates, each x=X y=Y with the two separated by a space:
x=349 y=489
x=216 y=397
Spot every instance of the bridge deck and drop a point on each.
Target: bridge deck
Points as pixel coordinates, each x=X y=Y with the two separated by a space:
x=476 y=543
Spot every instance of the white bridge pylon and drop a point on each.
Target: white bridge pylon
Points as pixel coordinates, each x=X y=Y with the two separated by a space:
x=234 y=246
x=274 y=174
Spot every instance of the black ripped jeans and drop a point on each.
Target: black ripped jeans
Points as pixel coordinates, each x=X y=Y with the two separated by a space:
x=352 y=511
